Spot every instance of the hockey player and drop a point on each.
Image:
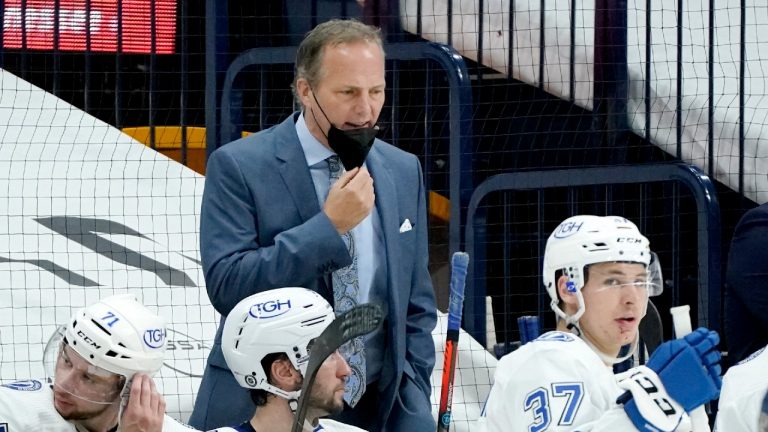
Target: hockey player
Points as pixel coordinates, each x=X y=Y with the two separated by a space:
x=100 y=366
x=599 y=272
x=743 y=405
x=266 y=342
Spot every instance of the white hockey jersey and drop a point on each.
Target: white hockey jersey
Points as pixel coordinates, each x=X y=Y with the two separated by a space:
x=555 y=383
x=743 y=395
x=28 y=406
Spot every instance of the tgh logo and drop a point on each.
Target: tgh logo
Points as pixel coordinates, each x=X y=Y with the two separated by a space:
x=567 y=229
x=154 y=338
x=270 y=309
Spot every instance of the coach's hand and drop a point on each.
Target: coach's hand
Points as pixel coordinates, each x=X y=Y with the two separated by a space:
x=350 y=199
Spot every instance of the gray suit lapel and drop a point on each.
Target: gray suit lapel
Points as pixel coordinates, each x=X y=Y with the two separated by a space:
x=293 y=168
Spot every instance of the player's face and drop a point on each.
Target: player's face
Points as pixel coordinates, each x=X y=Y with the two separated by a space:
x=350 y=89
x=615 y=300
x=80 y=391
x=327 y=392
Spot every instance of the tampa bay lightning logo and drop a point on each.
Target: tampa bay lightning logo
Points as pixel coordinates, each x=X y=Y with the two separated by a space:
x=29 y=385
x=445 y=420
x=556 y=336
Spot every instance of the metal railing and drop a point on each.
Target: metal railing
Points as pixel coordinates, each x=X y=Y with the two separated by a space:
x=459 y=111
x=706 y=234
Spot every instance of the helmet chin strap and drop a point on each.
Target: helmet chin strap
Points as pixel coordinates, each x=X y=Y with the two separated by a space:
x=291 y=396
x=293 y=404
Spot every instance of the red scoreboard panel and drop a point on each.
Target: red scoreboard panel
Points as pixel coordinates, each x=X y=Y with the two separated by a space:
x=38 y=19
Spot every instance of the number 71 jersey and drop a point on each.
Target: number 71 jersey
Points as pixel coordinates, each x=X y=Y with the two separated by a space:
x=28 y=406
x=554 y=383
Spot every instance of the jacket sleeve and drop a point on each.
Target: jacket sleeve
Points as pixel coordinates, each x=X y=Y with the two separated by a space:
x=235 y=262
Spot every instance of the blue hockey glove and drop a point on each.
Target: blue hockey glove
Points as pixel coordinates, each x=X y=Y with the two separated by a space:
x=689 y=368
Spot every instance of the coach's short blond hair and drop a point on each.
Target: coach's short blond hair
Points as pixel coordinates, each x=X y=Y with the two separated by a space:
x=309 y=56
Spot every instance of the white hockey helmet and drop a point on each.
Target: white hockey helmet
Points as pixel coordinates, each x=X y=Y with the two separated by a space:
x=283 y=320
x=583 y=240
x=118 y=334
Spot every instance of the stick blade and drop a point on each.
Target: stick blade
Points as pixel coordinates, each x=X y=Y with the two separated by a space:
x=651 y=330
x=358 y=321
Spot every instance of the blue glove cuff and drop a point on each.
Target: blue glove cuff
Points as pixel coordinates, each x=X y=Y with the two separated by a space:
x=640 y=422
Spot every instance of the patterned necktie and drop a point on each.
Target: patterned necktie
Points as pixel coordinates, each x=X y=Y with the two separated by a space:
x=345 y=294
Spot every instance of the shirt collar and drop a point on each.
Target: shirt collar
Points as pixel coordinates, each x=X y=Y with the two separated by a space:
x=314 y=150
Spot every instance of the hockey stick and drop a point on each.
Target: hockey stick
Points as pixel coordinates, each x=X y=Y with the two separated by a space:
x=651 y=329
x=459 y=263
x=529 y=328
x=681 y=320
x=358 y=321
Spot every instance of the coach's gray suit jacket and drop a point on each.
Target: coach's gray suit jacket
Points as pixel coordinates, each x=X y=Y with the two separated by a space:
x=261 y=228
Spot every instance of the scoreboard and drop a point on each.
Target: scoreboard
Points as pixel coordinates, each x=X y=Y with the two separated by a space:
x=90 y=25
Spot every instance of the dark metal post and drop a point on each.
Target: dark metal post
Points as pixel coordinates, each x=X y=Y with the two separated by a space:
x=184 y=71
x=87 y=74
x=24 y=55
x=56 y=51
x=511 y=39
x=711 y=92
x=480 y=18
x=572 y=57
x=118 y=67
x=216 y=54
x=679 y=103
x=611 y=78
x=152 y=74
x=742 y=69
x=542 y=42
x=648 y=59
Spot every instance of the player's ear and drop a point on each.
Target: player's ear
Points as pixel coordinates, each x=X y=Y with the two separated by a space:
x=566 y=288
x=284 y=375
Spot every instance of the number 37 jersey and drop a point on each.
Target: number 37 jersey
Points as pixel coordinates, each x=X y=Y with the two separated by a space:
x=554 y=383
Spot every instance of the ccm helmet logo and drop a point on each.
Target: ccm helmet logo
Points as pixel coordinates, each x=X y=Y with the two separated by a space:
x=270 y=309
x=88 y=340
x=567 y=229
x=630 y=240
x=154 y=338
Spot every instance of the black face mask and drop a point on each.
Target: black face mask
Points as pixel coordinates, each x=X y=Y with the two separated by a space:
x=352 y=145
